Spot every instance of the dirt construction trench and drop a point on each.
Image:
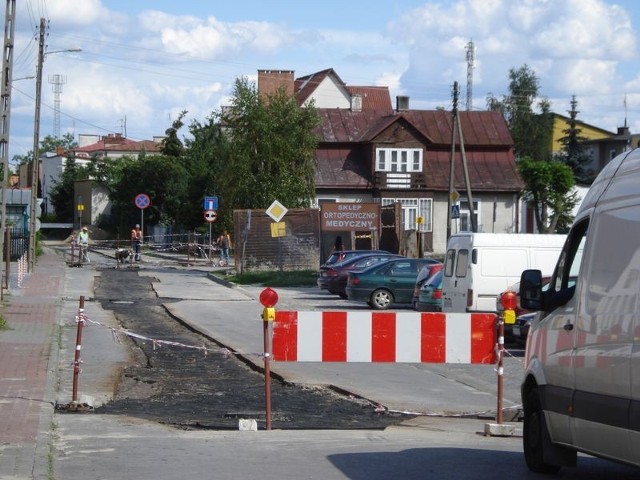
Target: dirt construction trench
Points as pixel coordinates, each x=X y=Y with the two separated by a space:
x=185 y=388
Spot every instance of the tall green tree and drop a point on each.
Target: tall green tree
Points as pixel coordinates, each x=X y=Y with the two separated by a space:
x=270 y=152
x=573 y=151
x=549 y=189
x=161 y=177
x=206 y=154
x=527 y=114
x=548 y=183
x=171 y=145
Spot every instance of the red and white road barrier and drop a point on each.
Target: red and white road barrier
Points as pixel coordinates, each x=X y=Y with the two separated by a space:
x=410 y=337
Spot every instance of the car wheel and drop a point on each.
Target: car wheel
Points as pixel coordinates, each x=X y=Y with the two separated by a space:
x=381 y=299
x=533 y=435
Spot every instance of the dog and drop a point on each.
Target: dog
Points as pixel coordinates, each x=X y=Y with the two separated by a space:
x=124 y=255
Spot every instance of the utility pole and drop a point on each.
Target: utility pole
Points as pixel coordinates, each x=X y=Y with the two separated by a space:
x=35 y=166
x=7 y=78
x=457 y=127
x=452 y=158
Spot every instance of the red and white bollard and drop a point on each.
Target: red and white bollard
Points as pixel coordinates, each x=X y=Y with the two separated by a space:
x=77 y=361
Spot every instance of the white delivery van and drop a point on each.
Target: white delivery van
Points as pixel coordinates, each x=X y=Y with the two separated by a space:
x=480 y=266
x=581 y=389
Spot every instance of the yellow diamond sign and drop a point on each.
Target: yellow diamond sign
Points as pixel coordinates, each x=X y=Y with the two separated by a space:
x=276 y=211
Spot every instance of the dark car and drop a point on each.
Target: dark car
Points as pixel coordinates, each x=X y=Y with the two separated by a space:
x=386 y=283
x=430 y=298
x=520 y=330
x=334 y=277
x=424 y=273
x=342 y=255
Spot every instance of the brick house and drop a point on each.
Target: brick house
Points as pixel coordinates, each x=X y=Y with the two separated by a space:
x=371 y=152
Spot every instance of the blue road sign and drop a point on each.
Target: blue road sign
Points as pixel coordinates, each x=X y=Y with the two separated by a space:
x=142 y=200
x=210 y=203
x=455 y=211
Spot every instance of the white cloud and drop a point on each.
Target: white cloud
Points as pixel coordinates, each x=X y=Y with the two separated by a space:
x=211 y=38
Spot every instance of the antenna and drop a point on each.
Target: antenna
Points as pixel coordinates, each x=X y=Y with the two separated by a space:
x=57 y=81
x=470 y=66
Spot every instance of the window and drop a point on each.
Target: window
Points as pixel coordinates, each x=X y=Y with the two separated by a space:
x=399 y=160
x=465 y=215
x=463 y=263
x=412 y=208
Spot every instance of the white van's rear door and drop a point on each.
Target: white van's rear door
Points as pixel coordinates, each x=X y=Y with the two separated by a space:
x=456 y=280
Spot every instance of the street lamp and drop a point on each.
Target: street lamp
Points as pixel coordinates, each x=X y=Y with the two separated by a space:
x=35 y=166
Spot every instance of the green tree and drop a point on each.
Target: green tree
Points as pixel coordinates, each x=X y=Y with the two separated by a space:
x=548 y=188
x=171 y=144
x=573 y=151
x=531 y=131
x=272 y=150
x=206 y=154
x=162 y=178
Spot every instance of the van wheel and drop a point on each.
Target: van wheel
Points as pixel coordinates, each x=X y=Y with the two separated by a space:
x=343 y=295
x=381 y=299
x=533 y=435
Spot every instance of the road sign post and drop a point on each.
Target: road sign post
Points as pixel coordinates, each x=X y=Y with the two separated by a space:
x=142 y=201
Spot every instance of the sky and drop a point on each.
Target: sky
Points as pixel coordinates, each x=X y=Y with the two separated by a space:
x=143 y=62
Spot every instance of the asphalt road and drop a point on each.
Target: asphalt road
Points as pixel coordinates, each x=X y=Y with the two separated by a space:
x=133 y=444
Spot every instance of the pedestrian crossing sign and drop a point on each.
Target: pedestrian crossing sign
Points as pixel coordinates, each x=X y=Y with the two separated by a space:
x=455 y=211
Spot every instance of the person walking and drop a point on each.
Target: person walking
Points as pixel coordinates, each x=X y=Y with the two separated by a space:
x=224 y=242
x=82 y=241
x=136 y=242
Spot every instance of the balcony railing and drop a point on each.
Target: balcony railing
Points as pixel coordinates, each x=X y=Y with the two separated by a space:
x=400 y=180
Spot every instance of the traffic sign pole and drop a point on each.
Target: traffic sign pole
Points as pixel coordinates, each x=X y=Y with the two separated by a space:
x=142 y=201
x=210 y=249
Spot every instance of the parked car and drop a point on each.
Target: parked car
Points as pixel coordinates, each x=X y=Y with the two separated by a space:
x=520 y=329
x=342 y=255
x=430 y=298
x=386 y=283
x=334 y=277
x=424 y=273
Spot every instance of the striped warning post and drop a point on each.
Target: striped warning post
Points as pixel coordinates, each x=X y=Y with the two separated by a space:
x=410 y=337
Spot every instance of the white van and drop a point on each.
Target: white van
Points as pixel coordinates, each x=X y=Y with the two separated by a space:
x=581 y=389
x=479 y=266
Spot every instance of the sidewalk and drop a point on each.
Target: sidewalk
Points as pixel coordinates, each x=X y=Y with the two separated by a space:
x=36 y=360
x=27 y=362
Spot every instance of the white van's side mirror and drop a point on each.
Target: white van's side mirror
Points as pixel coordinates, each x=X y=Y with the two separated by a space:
x=531 y=290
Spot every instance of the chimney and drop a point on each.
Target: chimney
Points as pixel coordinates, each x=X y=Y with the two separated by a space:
x=269 y=81
x=356 y=103
x=402 y=103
